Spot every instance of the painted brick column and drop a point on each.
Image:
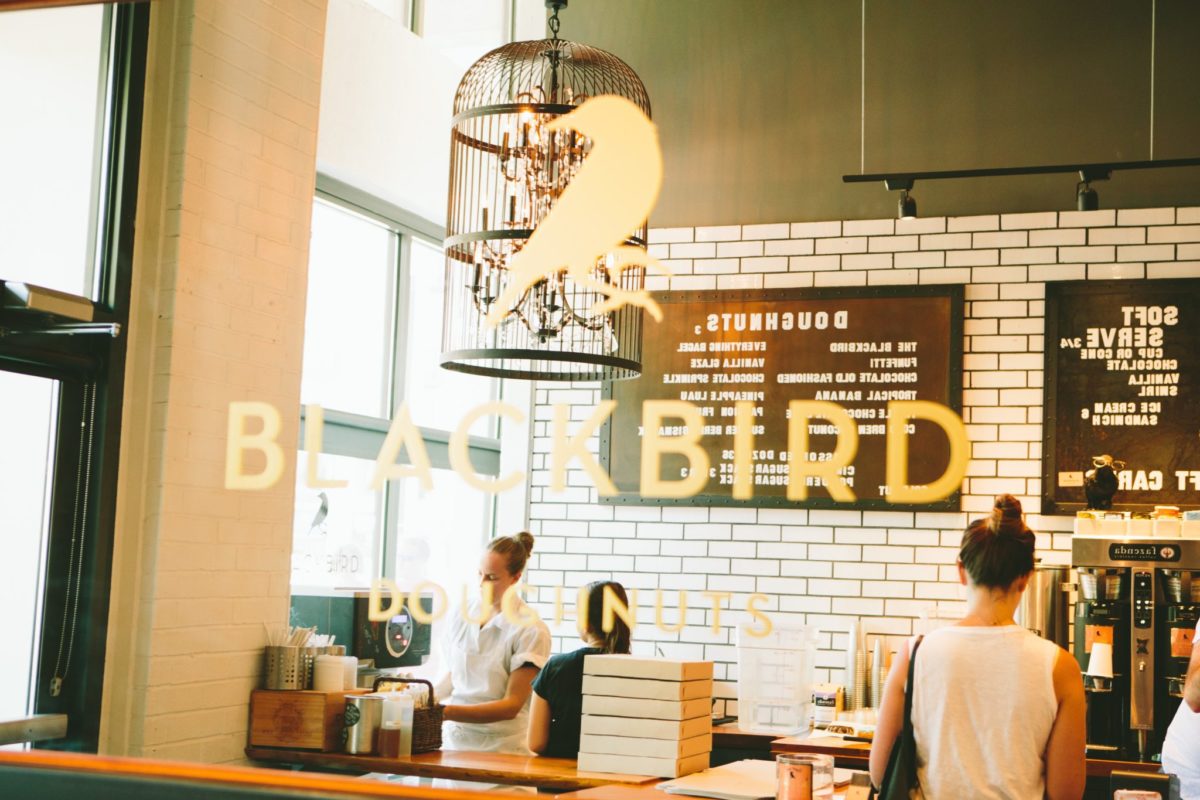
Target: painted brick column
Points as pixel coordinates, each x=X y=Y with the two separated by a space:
x=225 y=204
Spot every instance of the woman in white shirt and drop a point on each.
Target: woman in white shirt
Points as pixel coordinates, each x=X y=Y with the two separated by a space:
x=492 y=657
x=997 y=712
x=1181 y=749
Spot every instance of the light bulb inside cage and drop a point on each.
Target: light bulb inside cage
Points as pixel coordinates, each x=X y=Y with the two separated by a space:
x=508 y=170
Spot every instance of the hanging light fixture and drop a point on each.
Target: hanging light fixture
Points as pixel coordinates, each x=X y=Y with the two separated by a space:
x=507 y=171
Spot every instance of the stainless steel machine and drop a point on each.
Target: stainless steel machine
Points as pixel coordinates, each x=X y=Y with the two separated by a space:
x=1045 y=604
x=1134 y=620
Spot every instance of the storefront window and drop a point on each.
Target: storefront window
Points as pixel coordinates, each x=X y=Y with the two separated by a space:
x=441 y=533
x=348 y=324
x=372 y=339
x=336 y=531
x=27 y=432
x=437 y=397
x=50 y=144
x=69 y=153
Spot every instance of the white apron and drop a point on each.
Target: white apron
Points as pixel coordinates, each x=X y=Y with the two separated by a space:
x=480 y=661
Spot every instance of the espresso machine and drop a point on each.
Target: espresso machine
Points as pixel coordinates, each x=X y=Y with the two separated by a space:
x=1134 y=621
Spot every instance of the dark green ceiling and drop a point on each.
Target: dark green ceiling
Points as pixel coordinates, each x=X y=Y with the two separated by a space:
x=762 y=105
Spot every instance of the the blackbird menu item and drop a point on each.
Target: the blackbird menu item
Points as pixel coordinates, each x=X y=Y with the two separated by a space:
x=1122 y=376
x=857 y=348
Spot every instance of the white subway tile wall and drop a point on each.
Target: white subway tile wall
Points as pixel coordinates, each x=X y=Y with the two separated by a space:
x=826 y=568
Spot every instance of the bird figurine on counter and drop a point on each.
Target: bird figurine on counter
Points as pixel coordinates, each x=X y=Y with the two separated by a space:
x=1100 y=482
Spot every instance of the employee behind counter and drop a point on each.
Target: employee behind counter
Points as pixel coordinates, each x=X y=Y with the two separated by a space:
x=488 y=662
x=557 y=711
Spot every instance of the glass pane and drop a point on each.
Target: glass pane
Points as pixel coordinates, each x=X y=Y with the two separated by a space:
x=335 y=532
x=48 y=144
x=465 y=29
x=348 y=323
x=437 y=397
x=441 y=534
x=27 y=441
x=396 y=9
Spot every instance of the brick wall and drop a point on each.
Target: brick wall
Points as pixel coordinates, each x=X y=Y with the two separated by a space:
x=825 y=568
x=228 y=169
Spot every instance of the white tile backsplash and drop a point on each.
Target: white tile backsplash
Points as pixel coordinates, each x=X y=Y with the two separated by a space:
x=827 y=567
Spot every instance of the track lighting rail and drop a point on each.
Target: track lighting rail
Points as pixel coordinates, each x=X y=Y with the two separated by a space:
x=1088 y=172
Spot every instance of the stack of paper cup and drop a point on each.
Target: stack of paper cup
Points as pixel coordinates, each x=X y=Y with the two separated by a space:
x=877 y=674
x=349 y=672
x=851 y=665
x=861 y=700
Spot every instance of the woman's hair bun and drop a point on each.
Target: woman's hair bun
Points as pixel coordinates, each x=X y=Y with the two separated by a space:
x=516 y=550
x=1006 y=515
x=998 y=549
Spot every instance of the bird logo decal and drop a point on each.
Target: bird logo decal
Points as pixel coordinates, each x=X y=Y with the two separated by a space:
x=612 y=195
x=318 y=523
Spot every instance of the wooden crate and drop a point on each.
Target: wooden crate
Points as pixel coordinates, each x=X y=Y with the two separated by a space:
x=301 y=720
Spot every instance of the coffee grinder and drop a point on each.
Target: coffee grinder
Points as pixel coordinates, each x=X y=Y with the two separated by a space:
x=1102 y=618
x=1136 y=613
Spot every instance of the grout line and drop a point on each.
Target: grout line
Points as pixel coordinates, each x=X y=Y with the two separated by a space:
x=1153 y=31
x=862 y=94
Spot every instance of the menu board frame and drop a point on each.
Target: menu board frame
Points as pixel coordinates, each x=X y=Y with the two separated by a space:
x=953 y=294
x=1055 y=497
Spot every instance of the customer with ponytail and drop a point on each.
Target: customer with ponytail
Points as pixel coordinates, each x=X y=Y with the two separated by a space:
x=997 y=712
x=492 y=650
x=557 y=709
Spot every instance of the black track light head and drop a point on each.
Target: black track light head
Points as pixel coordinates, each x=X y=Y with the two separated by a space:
x=1086 y=198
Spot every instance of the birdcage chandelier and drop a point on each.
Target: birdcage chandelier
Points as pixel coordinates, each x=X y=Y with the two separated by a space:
x=507 y=171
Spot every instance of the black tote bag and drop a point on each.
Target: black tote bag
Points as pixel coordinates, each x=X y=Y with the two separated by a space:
x=900 y=777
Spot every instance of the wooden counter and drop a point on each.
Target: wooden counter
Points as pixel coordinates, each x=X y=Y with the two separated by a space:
x=53 y=775
x=848 y=755
x=854 y=755
x=730 y=737
x=506 y=768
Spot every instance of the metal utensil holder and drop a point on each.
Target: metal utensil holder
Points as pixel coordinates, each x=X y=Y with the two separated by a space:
x=284 y=667
x=308 y=660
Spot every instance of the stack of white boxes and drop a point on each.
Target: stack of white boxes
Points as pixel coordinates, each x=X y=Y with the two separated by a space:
x=644 y=716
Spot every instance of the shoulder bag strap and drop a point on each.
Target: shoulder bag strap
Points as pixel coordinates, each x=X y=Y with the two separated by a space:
x=910 y=689
x=909 y=686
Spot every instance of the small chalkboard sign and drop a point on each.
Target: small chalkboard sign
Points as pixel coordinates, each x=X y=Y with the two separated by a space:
x=858 y=348
x=1122 y=379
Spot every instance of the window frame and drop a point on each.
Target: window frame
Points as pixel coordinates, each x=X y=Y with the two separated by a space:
x=416 y=19
x=361 y=436
x=77 y=361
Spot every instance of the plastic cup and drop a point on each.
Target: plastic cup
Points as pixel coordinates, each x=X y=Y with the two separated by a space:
x=804 y=776
x=1100 y=662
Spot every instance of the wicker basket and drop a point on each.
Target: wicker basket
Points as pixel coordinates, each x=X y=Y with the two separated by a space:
x=427 y=721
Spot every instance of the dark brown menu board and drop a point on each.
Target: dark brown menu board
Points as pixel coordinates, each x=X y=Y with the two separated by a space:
x=855 y=347
x=1123 y=379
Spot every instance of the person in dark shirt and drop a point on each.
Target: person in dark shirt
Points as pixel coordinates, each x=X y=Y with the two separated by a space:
x=557 y=707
